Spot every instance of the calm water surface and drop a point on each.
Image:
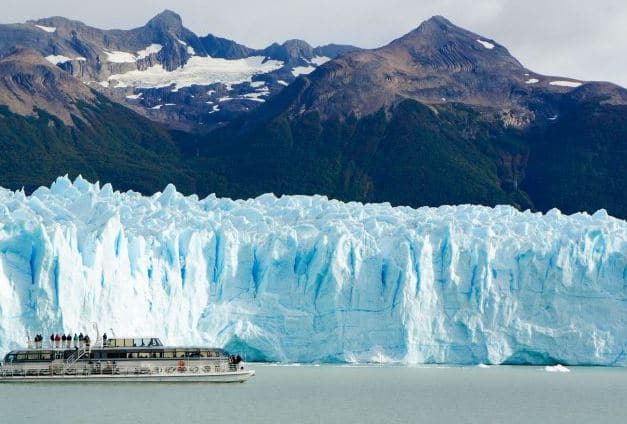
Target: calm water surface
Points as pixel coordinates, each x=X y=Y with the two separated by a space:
x=335 y=394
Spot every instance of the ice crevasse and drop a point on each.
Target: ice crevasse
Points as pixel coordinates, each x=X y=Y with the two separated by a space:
x=304 y=278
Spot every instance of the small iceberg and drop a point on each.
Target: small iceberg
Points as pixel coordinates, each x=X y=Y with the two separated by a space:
x=483 y=366
x=556 y=368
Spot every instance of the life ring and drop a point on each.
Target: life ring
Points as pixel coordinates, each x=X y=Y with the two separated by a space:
x=182 y=366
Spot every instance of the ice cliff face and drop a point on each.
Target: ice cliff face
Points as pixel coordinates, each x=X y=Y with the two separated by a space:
x=307 y=279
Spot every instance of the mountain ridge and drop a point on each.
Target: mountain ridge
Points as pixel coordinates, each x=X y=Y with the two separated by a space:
x=441 y=115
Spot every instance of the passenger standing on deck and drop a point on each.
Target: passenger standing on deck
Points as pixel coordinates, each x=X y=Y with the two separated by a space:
x=75 y=340
x=87 y=341
x=57 y=340
x=104 y=339
x=63 y=341
x=52 y=340
x=80 y=340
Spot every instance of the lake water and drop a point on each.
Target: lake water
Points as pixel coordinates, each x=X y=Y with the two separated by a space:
x=337 y=394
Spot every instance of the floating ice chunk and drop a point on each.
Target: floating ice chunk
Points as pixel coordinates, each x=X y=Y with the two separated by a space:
x=483 y=366
x=158 y=107
x=556 y=368
x=486 y=44
x=573 y=84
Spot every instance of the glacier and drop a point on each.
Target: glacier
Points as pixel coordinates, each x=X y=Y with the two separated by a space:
x=308 y=279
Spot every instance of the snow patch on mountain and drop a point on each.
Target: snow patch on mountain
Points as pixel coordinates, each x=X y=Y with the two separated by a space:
x=532 y=81
x=486 y=44
x=47 y=28
x=320 y=60
x=573 y=84
x=199 y=71
x=59 y=59
x=303 y=70
x=304 y=278
x=151 y=49
x=120 y=57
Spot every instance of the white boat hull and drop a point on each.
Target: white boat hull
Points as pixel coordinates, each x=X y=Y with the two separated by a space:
x=228 y=377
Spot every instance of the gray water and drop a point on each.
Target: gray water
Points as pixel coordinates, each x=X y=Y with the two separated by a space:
x=336 y=394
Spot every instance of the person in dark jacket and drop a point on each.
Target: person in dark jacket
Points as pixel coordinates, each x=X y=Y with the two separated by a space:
x=52 y=340
x=81 y=338
x=104 y=339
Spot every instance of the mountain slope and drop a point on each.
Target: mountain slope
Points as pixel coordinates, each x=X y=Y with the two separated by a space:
x=52 y=124
x=376 y=126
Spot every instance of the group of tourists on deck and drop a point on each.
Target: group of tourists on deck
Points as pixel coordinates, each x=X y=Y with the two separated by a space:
x=64 y=341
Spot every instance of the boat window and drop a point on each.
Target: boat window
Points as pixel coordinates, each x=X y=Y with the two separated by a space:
x=21 y=356
x=132 y=355
x=46 y=356
x=144 y=355
x=180 y=353
x=33 y=356
x=10 y=358
x=168 y=354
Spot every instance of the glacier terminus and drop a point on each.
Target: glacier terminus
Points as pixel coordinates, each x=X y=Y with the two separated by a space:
x=308 y=279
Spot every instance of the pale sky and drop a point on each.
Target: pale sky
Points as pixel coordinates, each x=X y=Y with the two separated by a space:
x=579 y=39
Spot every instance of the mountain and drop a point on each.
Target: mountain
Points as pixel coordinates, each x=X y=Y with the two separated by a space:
x=29 y=83
x=53 y=124
x=439 y=116
x=165 y=71
x=307 y=279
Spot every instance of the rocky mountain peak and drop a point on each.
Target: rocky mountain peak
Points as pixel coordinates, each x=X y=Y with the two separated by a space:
x=166 y=19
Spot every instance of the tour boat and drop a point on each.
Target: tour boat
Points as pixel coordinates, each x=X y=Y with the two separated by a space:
x=121 y=359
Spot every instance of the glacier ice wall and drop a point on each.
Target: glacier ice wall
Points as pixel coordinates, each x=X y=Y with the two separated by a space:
x=302 y=278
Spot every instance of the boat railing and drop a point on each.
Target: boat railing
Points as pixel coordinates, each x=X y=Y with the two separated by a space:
x=71 y=367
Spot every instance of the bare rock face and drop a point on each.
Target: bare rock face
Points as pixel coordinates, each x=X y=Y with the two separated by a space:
x=29 y=82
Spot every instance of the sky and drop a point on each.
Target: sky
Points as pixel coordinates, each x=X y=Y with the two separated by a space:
x=579 y=39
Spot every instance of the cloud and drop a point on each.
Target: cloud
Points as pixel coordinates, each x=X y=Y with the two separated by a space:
x=586 y=40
